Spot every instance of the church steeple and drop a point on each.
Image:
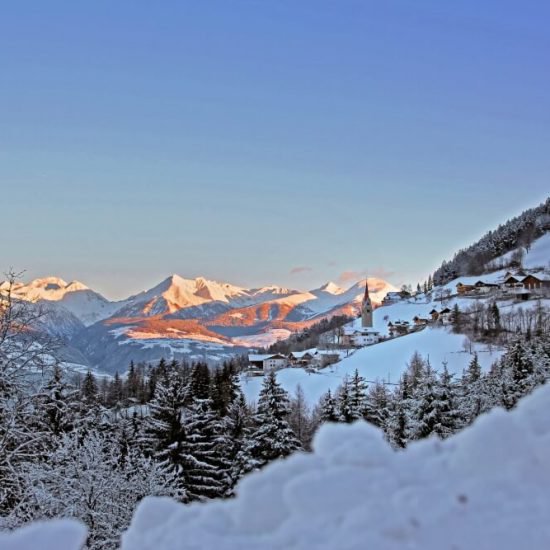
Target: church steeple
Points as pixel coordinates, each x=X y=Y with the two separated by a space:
x=366 y=309
x=366 y=296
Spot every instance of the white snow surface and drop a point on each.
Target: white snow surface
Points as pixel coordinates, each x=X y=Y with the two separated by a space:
x=64 y=534
x=385 y=361
x=485 y=488
x=537 y=257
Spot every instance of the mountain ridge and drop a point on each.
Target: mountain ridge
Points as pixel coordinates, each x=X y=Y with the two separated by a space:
x=184 y=318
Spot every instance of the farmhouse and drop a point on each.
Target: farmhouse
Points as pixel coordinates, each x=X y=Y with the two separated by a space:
x=463 y=289
x=267 y=363
x=537 y=281
x=419 y=321
x=302 y=357
x=483 y=287
x=445 y=315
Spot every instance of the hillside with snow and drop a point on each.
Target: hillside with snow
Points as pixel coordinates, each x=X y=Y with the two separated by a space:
x=387 y=360
x=483 y=488
x=384 y=362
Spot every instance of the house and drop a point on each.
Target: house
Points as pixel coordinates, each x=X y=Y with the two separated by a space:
x=484 y=287
x=323 y=358
x=419 y=321
x=463 y=289
x=302 y=358
x=537 y=281
x=434 y=314
x=445 y=315
x=267 y=363
x=359 y=337
x=399 y=328
x=513 y=281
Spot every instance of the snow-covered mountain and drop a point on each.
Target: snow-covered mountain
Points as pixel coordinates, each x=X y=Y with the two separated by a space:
x=193 y=318
x=76 y=298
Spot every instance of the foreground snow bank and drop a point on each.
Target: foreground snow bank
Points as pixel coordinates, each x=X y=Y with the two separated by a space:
x=485 y=488
x=62 y=534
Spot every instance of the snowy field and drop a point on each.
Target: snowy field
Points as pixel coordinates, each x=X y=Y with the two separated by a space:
x=485 y=488
x=385 y=361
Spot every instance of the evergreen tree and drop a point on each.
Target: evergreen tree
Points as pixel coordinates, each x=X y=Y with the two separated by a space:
x=57 y=404
x=299 y=418
x=206 y=453
x=328 y=408
x=456 y=319
x=397 y=424
x=446 y=413
x=116 y=392
x=199 y=386
x=272 y=437
x=474 y=398
x=164 y=431
x=423 y=410
x=89 y=389
x=357 y=396
x=377 y=406
x=345 y=410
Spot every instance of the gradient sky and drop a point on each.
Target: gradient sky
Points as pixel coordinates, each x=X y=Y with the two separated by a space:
x=284 y=141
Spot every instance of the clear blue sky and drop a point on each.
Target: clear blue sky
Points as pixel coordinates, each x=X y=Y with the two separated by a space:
x=259 y=142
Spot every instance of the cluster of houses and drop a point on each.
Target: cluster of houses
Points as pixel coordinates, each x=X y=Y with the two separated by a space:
x=400 y=328
x=311 y=358
x=520 y=284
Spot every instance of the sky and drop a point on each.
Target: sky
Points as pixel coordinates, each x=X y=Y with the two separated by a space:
x=288 y=142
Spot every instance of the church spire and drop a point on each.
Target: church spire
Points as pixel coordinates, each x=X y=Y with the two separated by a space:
x=366 y=309
x=366 y=297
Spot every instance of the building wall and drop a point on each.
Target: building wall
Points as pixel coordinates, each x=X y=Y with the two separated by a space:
x=271 y=364
x=366 y=315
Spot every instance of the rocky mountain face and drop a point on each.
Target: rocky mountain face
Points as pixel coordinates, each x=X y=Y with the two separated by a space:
x=182 y=318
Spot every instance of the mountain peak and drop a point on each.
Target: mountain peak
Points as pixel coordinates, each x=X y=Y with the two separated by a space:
x=332 y=288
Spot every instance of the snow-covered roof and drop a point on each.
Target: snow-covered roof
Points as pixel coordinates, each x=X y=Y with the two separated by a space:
x=300 y=354
x=254 y=358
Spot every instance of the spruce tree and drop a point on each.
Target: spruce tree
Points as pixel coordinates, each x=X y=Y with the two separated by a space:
x=423 y=406
x=328 y=408
x=377 y=405
x=164 y=431
x=272 y=436
x=357 y=396
x=397 y=424
x=206 y=453
x=57 y=404
x=446 y=414
x=345 y=410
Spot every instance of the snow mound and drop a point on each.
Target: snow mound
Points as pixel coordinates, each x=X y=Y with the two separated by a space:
x=485 y=488
x=50 y=535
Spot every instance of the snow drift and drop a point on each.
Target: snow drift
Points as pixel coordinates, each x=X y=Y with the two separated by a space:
x=484 y=488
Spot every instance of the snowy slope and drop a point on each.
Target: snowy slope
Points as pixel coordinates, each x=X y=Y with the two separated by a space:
x=483 y=489
x=385 y=361
x=537 y=257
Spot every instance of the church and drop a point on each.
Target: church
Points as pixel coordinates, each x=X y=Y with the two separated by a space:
x=365 y=335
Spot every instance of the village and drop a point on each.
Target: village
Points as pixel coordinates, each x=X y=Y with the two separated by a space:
x=519 y=285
